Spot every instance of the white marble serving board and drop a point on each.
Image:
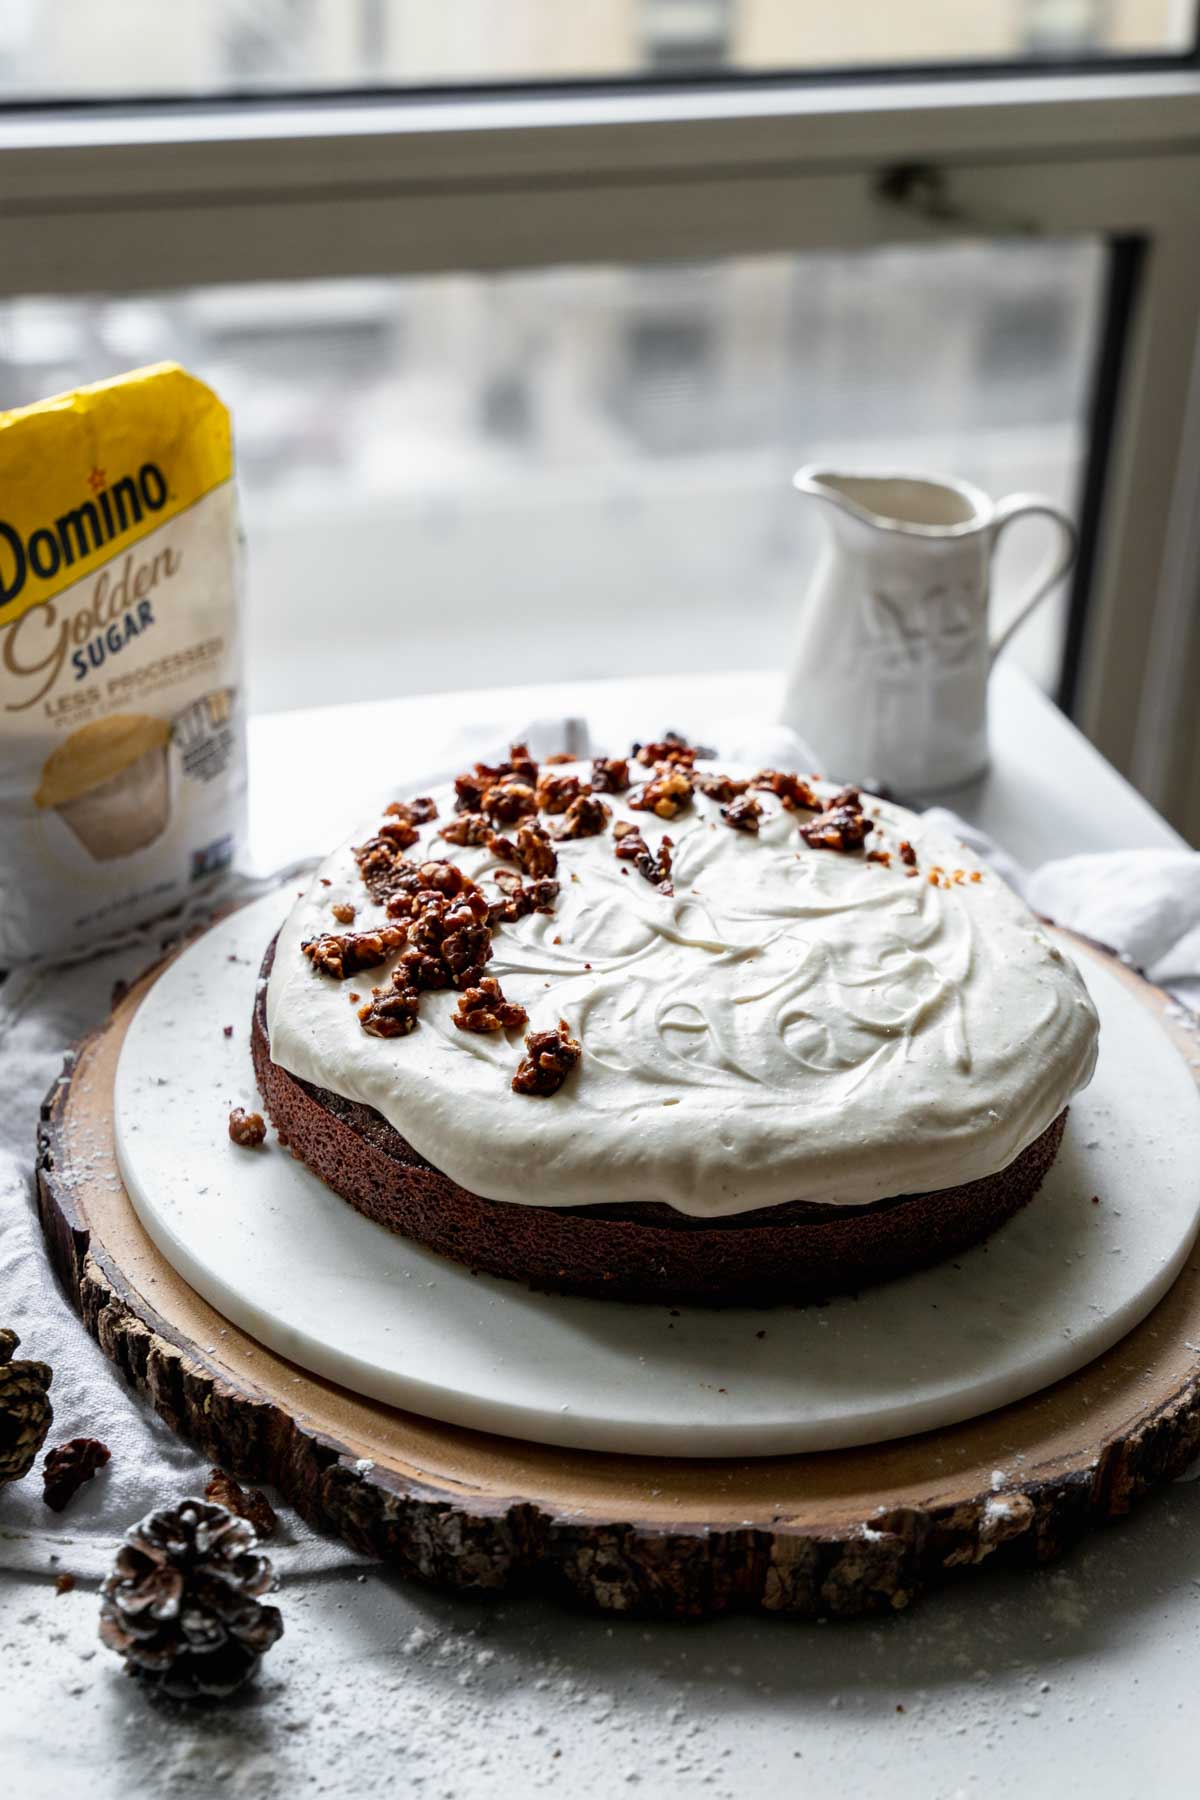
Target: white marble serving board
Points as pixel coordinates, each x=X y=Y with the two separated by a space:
x=281 y=1256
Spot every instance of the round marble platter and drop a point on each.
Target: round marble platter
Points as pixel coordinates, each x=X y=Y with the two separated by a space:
x=291 y=1264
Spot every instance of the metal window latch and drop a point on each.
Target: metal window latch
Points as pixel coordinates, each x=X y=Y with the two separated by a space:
x=924 y=189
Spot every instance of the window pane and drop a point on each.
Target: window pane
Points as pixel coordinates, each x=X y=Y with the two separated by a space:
x=469 y=480
x=78 y=49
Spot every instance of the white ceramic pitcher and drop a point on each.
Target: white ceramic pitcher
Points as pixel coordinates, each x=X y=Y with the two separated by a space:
x=890 y=667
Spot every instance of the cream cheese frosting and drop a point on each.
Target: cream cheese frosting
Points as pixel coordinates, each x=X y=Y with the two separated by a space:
x=791 y=1024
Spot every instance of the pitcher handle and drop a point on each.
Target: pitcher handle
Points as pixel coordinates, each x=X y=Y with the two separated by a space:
x=1020 y=506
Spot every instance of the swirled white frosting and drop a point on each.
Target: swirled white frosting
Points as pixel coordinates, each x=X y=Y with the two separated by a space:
x=794 y=1024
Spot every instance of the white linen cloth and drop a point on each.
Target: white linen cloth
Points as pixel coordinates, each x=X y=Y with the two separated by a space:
x=1144 y=903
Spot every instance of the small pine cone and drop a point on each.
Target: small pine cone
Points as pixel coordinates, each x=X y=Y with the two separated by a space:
x=25 y=1411
x=181 y=1605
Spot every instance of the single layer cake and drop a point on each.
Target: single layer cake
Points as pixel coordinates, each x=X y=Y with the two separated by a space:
x=670 y=1030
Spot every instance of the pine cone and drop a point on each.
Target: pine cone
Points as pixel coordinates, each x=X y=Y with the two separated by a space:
x=181 y=1604
x=25 y=1411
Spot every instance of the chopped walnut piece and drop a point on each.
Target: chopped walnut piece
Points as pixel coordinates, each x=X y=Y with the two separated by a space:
x=556 y=792
x=667 y=793
x=417 y=969
x=672 y=748
x=382 y=866
x=790 y=789
x=535 y=853
x=520 y=764
x=907 y=853
x=342 y=953
x=610 y=774
x=720 y=787
x=390 y=1012
x=631 y=847
x=743 y=814
x=467 y=828
x=410 y=888
x=559 y=757
x=484 y=1008
x=505 y=802
x=469 y=791
x=247 y=1129
x=224 y=1491
x=343 y=912
x=880 y=856
x=842 y=826
x=503 y=848
x=457 y=934
x=585 y=817
x=549 y=1058
x=520 y=900
x=418 y=811
x=402 y=834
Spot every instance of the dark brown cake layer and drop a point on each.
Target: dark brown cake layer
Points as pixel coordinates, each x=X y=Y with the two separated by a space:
x=778 y=1255
x=770 y=1257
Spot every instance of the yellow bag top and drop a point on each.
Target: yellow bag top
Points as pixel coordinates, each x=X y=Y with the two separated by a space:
x=78 y=481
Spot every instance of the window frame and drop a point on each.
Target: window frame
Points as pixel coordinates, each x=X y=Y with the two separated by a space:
x=146 y=197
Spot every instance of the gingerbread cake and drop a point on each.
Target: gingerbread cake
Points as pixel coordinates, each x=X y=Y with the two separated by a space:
x=658 y=1028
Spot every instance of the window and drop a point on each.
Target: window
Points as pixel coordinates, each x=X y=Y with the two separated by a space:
x=588 y=323
x=75 y=49
x=587 y=470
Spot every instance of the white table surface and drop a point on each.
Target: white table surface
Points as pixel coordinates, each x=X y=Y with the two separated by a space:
x=1076 y=1680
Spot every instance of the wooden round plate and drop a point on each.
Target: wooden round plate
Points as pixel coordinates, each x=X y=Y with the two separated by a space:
x=839 y=1533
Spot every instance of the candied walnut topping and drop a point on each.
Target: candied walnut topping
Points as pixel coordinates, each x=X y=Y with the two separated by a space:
x=560 y=757
x=631 y=847
x=743 y=814
x=419 y=881
x=519 y=900
x=520 y=764
x=247 y=1129
x=791 y=790
x=469 y=791
x=381 y=865
x=907 y=854
x=454 y=933
x=467 y=828
x=401 y=833
x=842 y=826
x=549 y=1058
x=667 y=793
x=610 y=774
x=720 y=787
x=343 y=912
x=535 y=853
x=880 y=856
x=390 y=1012
x=418 y=811
x=672 y=747
x=484 y=1008
x=520 y=770
x=556 y=792
x=505 y=802
x=585 y=817
x=342 y=953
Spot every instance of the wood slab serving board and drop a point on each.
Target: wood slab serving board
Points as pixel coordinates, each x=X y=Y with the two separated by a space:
x=833 y=1534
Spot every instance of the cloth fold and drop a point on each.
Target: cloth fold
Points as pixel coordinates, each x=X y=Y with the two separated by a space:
x=1145 y=904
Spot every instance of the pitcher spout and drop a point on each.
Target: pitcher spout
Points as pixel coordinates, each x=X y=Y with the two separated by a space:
x=915 y=505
